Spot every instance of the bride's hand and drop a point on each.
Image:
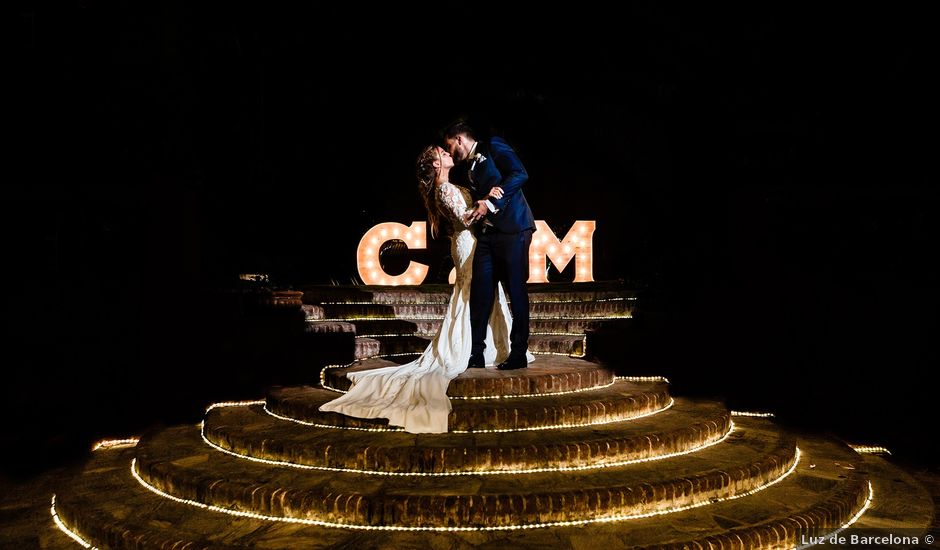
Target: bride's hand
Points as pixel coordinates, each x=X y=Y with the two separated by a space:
x=495 y=193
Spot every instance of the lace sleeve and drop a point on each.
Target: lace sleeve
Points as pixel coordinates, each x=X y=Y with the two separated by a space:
x=454 y=203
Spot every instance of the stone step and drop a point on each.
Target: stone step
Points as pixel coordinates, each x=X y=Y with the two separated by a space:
x=440 y=294
x=366 y=348
x=828 y=488
x=621 y=401
x=618 y=309
x=329 y=327
x=549 y=374
x=538 y=344
x=384 y=327
x=107 y=507
x=250 y=432
x=177 y=462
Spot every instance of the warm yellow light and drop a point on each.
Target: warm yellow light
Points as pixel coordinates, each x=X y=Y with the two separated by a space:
x=752 y=414
x=368 y=256
x=115 y=443
x=870 y=450
x=326 y=386
x=504 y=430
x=569 y=523
x=661 y=379
x=855 y=518
x=577 y=244
x=62 y=527
x=603 y=465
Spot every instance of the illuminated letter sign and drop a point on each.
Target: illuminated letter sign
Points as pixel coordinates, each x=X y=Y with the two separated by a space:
x=577 y=244
x=370 y=268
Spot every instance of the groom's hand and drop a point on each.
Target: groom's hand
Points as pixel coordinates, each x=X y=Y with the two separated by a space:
x=478 y=212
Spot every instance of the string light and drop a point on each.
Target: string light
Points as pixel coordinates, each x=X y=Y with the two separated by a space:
x=115 y=443
x=752 y=414
x=420 y=335
x=559 y=354
x=502 y=430
x=540 y=470
x=870 y=450
x=374 y=303
x=515 y=527
x=64 y=528
x=234 y=404
x=534 y=317
x=855 y=518
x=326 y=386
x=643 y=379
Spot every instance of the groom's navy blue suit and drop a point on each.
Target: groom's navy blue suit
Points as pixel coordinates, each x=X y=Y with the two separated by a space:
x=502 y=250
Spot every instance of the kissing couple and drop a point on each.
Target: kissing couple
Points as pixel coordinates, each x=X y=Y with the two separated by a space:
x=491 y=230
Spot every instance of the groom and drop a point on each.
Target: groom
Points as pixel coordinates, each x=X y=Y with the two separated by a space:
x=503 y=238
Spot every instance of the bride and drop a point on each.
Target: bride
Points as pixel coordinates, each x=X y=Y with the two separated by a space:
x=414 y=395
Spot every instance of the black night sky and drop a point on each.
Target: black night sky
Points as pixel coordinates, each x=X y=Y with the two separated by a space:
x=765 y=178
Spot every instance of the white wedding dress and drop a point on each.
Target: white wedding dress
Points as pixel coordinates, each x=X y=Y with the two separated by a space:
x=414 y=395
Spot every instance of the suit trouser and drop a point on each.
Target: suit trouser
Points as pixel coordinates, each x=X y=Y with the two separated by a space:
x=503 y=258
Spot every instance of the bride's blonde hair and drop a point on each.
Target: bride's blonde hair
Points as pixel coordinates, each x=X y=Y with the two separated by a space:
x=427 y=175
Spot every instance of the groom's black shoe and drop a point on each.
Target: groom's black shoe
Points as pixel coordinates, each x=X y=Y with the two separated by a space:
x=476 y=362
x=512 y=364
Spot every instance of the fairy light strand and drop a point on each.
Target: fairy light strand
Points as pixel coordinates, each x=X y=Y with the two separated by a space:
x=536 y=317
x=65 y=529
x=427 y=337
x=115 y=443
x=444 y=303
x=870 y=450
x=501 y=430
x=643 y=379
x=234 y=404
x=640 y=379
x=855 y=518
x=581 y=468
x=753 y=414
x=514 y=527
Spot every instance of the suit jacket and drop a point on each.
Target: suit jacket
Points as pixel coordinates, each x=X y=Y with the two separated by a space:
x=501 y=168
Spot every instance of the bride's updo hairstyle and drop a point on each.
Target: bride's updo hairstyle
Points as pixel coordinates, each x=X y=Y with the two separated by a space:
x=427 y=184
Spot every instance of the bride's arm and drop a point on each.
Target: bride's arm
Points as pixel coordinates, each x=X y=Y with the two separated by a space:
x=455 y=204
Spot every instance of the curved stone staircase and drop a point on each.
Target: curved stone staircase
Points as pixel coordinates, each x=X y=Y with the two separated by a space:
x=562 y=454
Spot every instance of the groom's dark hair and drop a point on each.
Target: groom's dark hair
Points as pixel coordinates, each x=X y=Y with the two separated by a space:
x=457 y=128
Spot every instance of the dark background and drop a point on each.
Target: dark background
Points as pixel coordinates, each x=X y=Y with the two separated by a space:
x=765 y=178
